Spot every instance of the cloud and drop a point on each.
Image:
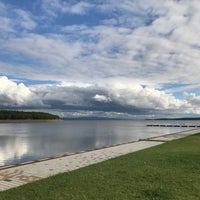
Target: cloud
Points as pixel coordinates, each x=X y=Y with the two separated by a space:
x=156 y=43
x=101 y=98
x=25 y=19
x=194 y=102
x=54 y=7
x=117 y=98
x=80 y=8
x=16 y=95
x=14 y=20
x=6 y=25
x=49 y=50
x=193 y=99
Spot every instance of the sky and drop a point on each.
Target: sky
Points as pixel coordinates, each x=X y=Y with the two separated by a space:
x=101 y=58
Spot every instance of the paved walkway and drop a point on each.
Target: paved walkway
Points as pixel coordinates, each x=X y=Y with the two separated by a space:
x=15 y=176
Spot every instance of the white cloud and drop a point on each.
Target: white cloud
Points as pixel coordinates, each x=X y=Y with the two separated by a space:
x=25 y=19
x=101 y=98
x=54 y=7
x=76 y=84
x=16 y=95
x=14 y=20
x=127 y=94
x=6 y=25
x=80 y=8
x=52 y=50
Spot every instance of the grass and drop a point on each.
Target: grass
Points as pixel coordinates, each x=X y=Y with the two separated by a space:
x=169 y=171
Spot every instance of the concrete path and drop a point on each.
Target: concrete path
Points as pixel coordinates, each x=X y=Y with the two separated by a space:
x=173 y=136
x=14 y=176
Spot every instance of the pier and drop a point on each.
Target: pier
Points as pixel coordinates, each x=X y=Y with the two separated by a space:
x=174 y=125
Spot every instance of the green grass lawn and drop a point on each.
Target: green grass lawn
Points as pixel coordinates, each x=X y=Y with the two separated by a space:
x=168 y=171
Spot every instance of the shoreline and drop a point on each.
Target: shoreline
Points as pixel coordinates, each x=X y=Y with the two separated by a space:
x=5 y=121
x=160 y=139
x=40 y=169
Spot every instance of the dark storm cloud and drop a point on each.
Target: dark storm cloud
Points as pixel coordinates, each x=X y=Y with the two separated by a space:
x=105 y=98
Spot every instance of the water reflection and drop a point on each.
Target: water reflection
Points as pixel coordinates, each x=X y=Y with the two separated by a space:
x=31 y=141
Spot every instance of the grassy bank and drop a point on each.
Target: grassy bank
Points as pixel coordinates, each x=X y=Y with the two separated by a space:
x=169 y=171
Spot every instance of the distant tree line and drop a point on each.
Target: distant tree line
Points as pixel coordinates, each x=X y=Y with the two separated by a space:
x=21 y=115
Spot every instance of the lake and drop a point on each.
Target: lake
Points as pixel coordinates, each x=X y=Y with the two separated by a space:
x=21 y=142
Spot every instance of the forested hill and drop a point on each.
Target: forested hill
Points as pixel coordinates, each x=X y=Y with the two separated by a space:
x=21 y=115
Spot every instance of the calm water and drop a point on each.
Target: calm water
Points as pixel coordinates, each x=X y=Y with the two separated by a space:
x=20 y=142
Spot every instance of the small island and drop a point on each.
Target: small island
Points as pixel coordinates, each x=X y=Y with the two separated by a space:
x=21 y=116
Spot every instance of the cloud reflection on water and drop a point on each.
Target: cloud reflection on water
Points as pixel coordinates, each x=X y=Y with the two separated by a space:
x=30 y=141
